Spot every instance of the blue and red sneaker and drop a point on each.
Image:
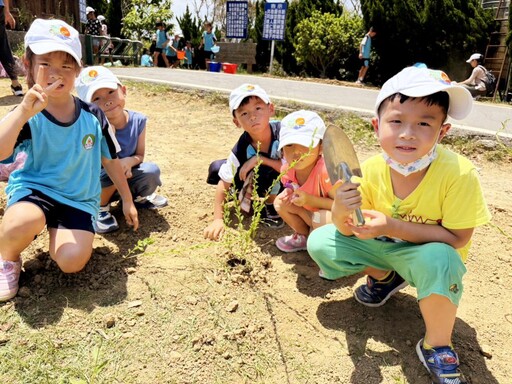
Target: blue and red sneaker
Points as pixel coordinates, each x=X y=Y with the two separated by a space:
x=376 y=292
x=442 y=363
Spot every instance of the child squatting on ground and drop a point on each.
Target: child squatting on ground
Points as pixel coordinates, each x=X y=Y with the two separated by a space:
x=251 y=109
x=306 y=202
x=421 y=203
x=100 y=86
x=66 y=142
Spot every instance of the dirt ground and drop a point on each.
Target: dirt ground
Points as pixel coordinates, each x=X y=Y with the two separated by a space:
x=163 y=305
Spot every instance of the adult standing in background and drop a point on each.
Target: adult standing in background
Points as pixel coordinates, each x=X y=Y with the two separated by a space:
x=365 y=49
x=93 y=27
x=104 y=32
x=6 y=57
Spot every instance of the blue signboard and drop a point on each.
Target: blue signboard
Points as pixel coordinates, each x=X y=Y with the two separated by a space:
x=81 y=8
x=237 y=16
x=274 y=21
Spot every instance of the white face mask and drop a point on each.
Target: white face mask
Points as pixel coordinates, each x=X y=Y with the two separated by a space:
x=413 y=167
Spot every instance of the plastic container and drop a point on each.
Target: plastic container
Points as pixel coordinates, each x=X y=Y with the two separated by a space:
x=229 y=67
x=181 y=55
x=214 y=66
x=215 y=49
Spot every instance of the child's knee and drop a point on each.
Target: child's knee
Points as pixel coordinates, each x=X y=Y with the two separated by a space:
x=278 y=204
x=438 y=270
x=72 y=259
x=317 y=243
x=14 y=230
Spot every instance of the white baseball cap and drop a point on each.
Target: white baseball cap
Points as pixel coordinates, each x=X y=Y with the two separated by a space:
x=302 y=127
x=101 y=18
x=474 y=56
x=420 y=82
x=93 y=78
x=89 y=10
x=246 y=90
x=45 y=36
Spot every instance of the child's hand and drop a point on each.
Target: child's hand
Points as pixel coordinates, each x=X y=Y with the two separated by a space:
x=376 y=224
x=347 y=198
x=126 y=165
x=299 y=198
x=247 y=167
x=131 y=215
x=285 y=197
x=36 y=98
x=214 y=230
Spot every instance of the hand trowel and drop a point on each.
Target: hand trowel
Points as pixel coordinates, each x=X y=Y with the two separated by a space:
x=341 y=160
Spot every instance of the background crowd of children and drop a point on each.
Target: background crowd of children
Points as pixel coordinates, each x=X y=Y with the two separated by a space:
x=173 y=51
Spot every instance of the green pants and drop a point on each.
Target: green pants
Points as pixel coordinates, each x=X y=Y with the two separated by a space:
x=433 y=268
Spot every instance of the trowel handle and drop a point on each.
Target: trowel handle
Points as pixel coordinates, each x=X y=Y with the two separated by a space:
x=357 y=216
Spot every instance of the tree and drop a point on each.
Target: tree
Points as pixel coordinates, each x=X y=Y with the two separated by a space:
x=114 y=17
x=190 y=27
x=440 y=33
x=326 y=41
x=297 y=11
x=256 y=33
x=140 y=21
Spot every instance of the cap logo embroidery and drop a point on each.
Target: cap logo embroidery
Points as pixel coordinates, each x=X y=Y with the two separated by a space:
x=60 y=31
x=297 y=124
x=250 y=88
x=89 y=76
x=300 y=121
x=440 y=76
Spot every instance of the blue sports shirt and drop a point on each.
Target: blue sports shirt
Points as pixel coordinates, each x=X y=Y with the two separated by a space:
x=64 y=160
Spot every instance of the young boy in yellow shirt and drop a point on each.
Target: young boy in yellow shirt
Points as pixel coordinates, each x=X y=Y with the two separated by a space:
x=421 y=202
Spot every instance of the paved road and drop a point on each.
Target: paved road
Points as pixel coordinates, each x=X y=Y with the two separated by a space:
x=485 y=118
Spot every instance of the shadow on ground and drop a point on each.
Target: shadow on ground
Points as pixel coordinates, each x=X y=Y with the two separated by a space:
x=45 y=291
x=398 y=325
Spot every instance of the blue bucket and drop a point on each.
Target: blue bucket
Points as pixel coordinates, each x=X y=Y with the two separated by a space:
x=214 y=66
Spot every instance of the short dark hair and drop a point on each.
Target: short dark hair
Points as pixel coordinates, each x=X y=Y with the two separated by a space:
x=441 y=99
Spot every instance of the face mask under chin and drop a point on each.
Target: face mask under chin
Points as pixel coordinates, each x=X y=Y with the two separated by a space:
x=412 y=167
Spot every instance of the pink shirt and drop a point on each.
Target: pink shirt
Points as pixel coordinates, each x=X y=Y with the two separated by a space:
x=317 y=184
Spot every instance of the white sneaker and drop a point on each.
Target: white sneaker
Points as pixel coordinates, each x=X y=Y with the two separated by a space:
x=152 y=201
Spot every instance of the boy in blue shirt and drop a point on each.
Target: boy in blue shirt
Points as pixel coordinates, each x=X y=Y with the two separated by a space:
x=365 y=49
x=421 y=202
x=100 y=86
x=208 y=40
x=162 y=39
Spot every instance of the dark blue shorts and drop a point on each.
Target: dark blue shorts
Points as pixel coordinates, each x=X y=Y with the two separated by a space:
x=59 y=215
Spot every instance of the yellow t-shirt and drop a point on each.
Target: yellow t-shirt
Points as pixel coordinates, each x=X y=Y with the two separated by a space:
x=450 y=194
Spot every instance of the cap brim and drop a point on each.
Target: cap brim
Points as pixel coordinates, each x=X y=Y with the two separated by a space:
x=469 y=60
x=236 y=103
x=94 y=87
x=461 y=101
x=304 y=140
x=41 y=48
